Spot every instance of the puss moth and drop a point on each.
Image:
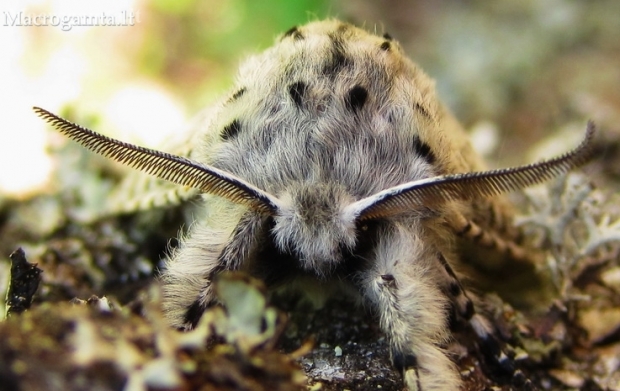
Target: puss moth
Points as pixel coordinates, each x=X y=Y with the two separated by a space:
x=332 y=164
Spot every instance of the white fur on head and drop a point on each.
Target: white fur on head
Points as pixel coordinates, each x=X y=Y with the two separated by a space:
x=311 y=224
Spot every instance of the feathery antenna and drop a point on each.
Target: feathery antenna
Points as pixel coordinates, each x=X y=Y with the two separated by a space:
x=169 y=167
x=469 y=186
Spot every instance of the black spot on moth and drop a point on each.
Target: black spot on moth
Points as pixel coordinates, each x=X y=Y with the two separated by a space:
x=424 y=150
x=387 y=36
x=337 y=60
x=356 y=98
x=422 y=110
x=238 y=94
x=385 y=46
x=293 y=32
x=231 y=130
x=297 y=91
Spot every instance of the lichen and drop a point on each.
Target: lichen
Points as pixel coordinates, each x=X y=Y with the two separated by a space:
x=69 y=346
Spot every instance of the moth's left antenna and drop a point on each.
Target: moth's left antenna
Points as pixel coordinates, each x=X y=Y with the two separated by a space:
x=166 y=166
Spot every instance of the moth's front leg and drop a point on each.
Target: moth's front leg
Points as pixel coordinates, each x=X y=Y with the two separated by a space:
x=191 y=268
x=402 y=284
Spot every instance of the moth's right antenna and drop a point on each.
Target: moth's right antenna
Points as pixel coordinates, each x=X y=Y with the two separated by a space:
x=169 y=167
x=469 y=186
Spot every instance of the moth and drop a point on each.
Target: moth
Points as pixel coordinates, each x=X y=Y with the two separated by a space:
x=333 y=165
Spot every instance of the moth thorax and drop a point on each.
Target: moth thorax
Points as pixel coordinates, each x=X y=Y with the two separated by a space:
x=312 y=227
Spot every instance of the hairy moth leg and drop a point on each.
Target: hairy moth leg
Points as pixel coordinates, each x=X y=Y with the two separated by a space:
x=464 y=311
x=402 y=283
x=462 y=305
x=469 y=230
x=186 y=289
x=490 y=345
x=204 y=253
